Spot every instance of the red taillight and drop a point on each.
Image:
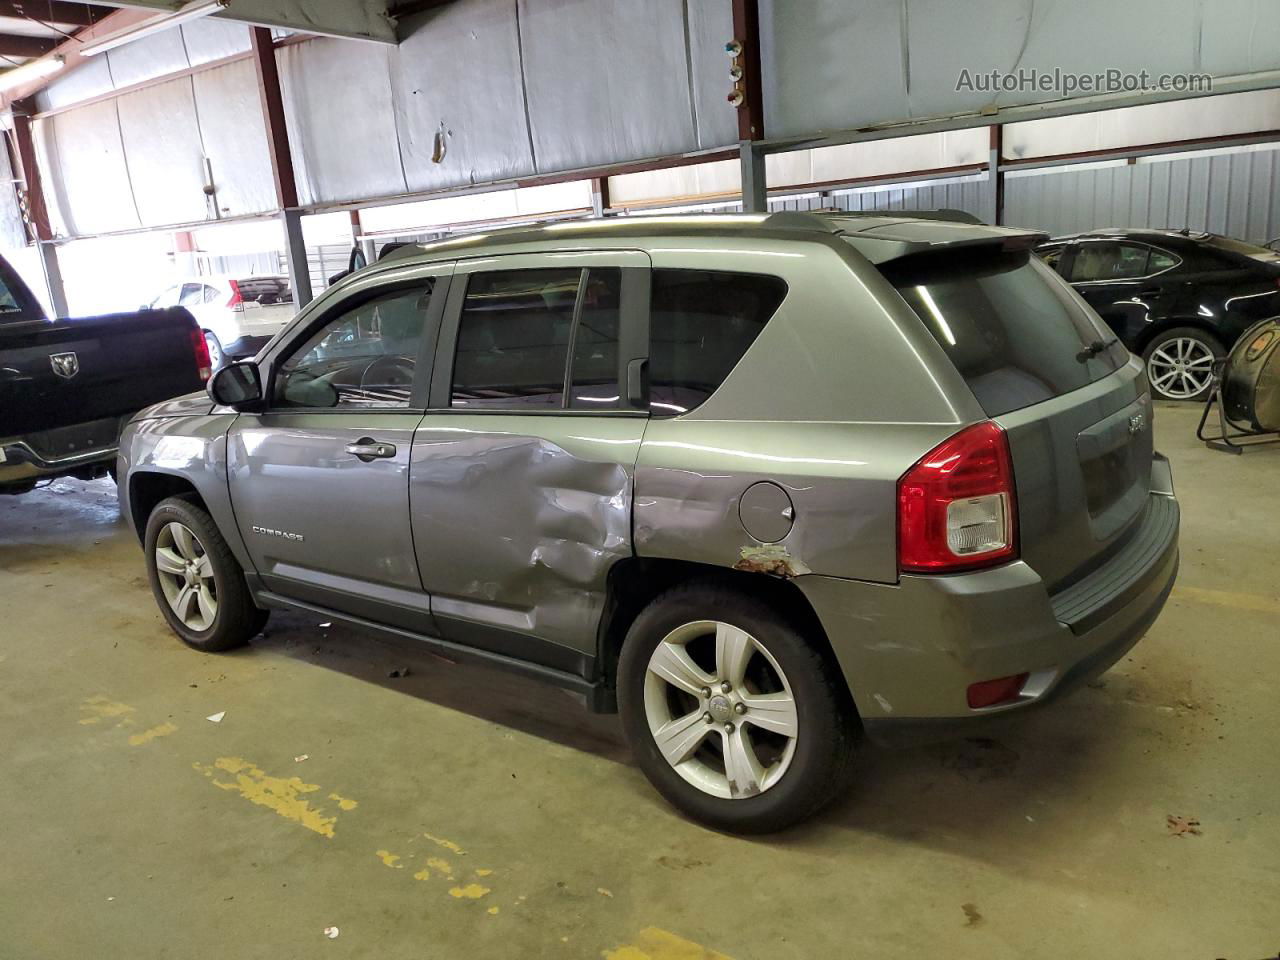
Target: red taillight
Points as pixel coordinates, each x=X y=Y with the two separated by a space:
x=203 y=363
x=988 y=693
x=236 y=302
x=956 y=507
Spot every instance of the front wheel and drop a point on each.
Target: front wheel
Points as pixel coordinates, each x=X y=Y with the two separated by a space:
x=196 y=580
x=733 y=714
x=1179 y=363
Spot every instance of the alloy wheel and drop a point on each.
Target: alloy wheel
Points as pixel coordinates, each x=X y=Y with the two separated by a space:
x=186 y=576
x=1180 y=368
x=720 y=709
x=215 y=350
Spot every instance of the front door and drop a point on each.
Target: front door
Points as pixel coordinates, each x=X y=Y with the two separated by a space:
x=521 y=481
x=320 y=480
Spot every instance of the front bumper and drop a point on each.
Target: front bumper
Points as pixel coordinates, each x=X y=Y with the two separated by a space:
x=910 y=651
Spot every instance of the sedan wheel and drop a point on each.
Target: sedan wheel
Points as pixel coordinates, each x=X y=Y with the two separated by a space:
x=1181 y=368
x=216 y=356
x=731 y=729
x=186 y=576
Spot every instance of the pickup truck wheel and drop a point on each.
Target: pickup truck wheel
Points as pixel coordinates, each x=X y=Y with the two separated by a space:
x=732 y=714
x=196 y=580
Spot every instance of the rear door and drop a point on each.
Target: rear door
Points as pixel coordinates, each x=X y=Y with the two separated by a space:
x=320 y=480
x=1076 y=410
x=1126 y=283
x=522 y=470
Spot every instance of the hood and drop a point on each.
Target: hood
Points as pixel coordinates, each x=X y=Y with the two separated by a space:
x=191 y=405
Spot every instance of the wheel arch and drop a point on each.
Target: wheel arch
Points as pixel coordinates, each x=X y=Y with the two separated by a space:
x=634 y=582
x=1165 y=326
x=147 y=488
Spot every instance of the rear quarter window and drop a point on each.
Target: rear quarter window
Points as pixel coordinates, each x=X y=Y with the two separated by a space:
x=701 y=323
x=1012 y=328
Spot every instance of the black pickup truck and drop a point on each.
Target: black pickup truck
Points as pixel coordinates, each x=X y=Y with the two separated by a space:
x=68 y=386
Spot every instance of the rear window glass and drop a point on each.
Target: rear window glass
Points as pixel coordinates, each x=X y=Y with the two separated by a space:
x=701 y=323
x=1012 y=328
x=265 y=290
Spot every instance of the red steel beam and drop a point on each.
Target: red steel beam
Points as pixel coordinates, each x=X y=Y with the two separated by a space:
x=37 y=212
x=264 y=59
x=53 y=11
x=746 y=30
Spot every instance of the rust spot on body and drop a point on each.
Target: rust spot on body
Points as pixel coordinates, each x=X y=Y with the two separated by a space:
x=771 y=558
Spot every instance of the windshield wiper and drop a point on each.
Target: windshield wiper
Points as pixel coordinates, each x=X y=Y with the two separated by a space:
x=1095 y=348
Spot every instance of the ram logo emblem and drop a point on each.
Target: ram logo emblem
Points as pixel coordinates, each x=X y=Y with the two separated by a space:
x=66 y=365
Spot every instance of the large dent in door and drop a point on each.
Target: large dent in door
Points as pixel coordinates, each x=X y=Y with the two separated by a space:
x=520 y=531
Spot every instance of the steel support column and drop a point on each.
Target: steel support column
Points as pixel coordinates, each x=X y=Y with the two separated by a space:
x=748 y=93
x=995 y=176
x=296 y=252
x=38 y=226
x=264 y=59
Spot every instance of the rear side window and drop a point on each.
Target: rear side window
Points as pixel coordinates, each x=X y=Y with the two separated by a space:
x=513 y=341
x=701 y=323
x=1109 y=261
x=1013 y=330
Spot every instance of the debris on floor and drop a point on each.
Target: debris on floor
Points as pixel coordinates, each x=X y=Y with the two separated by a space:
x=398 y=672
x=1181 y=826
x=300 y=757
x=217 y=717
x=604 y=893
x=972 y=916
x=331 y=933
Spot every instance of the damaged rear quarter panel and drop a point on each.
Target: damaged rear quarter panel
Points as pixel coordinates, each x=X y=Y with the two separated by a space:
x=517 y=518
x=841 y=478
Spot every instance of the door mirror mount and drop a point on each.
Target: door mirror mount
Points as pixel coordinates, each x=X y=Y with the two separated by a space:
x=237 y=385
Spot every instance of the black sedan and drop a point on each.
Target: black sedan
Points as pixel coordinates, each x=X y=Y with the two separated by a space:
x=1177 y=298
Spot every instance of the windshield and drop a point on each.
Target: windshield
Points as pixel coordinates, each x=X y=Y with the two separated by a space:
x=1014 y=330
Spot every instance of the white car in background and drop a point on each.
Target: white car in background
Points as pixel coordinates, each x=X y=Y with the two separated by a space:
x=237 y=314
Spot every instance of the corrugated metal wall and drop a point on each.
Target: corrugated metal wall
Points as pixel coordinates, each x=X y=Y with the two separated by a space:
x=1236 y=193
x=961 y=193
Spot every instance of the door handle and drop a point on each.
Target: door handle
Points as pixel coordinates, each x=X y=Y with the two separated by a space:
x=368 y=449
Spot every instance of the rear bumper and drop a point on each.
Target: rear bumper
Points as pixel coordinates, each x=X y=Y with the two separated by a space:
x=910 y=651
x=87 y=449
x=246 y=346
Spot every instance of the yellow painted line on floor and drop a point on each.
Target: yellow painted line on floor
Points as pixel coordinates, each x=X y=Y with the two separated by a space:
x=390 y=859
x=283 y=795
x=1229 y=598
x=99 y=708
x=447 y=844
x=655 y=944
x=146 y=736
x=472 y=891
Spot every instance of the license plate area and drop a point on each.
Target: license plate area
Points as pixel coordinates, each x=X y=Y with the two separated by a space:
x=1115 y=464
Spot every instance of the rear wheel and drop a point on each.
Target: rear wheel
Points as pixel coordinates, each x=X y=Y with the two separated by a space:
x=197 y=582
x=1179 y=363
x=731 y=713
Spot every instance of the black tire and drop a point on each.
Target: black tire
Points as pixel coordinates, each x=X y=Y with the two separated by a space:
x=821 y=764
x=217 y=356
x=1178 y=390
x=237 y=619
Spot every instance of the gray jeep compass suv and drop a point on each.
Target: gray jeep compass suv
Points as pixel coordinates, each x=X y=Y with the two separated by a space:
x=762 y=483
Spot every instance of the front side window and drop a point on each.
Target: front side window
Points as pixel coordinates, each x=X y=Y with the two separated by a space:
x=701 y=323
x=513 y=339
x=365 y=357
x=192 y=295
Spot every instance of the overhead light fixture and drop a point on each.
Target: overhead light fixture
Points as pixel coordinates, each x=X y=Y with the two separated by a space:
x=28 y=72
x=192 y=11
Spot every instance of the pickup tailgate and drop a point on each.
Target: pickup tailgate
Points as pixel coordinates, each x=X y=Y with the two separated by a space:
x=56 y=373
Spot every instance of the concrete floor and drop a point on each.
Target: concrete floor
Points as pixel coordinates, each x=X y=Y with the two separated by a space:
x=459 y=812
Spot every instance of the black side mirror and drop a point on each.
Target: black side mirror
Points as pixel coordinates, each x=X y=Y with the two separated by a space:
x=236 y=385
x=356 y=260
